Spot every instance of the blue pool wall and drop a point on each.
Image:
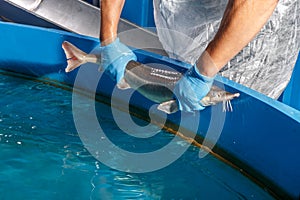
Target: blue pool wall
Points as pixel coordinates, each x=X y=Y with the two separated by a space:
x=139 y=12
x=37 y=51
x=291 y=95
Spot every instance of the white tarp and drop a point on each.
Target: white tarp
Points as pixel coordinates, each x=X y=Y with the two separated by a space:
x=185 y=27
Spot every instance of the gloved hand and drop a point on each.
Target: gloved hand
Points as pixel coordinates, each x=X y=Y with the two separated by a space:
x=191 y=88
x=114 y=58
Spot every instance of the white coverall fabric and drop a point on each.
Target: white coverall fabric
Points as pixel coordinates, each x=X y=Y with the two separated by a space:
x=185 y=27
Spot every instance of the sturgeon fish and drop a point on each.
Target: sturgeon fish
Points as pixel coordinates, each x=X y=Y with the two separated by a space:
x=153 y=83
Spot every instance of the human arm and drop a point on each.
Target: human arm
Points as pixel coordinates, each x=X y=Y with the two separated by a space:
x=114 y=55
x=242 y=20
x=110 y=16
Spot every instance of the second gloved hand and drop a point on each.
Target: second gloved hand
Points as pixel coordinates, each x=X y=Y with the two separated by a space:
x=114 y=58
x=191 y=88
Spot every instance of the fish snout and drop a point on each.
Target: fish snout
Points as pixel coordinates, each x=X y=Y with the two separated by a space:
x=215 y=97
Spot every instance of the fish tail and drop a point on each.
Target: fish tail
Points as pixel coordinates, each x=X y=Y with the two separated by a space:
x=76 y=57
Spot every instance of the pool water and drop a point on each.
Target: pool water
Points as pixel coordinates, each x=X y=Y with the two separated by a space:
x=42 y=156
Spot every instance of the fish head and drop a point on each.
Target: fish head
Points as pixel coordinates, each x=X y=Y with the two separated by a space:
x=217 y=95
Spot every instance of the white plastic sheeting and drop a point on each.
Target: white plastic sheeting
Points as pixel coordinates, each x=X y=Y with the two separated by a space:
x=185 y=27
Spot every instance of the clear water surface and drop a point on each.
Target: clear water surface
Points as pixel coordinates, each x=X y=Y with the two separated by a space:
x=42 y=156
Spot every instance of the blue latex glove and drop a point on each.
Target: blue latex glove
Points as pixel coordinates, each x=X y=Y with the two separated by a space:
x=114 y=58
x=191 y=88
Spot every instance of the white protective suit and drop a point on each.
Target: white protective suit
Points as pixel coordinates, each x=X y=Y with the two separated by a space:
x=185 y=27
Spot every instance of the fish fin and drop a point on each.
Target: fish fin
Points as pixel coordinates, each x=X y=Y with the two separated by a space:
x=168 y=107
x=205 y=101
x=76 y=57
x=123 y=85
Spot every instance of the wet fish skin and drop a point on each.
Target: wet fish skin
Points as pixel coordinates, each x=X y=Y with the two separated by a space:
x=157 y=85
x=153 y=83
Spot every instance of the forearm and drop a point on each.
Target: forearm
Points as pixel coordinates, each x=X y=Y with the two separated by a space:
x=110 y=16
x=242 y=20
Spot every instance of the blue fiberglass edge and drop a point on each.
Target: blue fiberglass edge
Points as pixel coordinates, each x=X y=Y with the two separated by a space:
x=36 y=51
x=291 y=95
x=144 y=17
x=261 y=133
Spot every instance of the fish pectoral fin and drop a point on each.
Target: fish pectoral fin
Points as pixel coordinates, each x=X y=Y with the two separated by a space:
x=123 y=85
x=168 y=107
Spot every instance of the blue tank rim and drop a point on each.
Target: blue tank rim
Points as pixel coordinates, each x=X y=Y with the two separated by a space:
x=56 y=35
